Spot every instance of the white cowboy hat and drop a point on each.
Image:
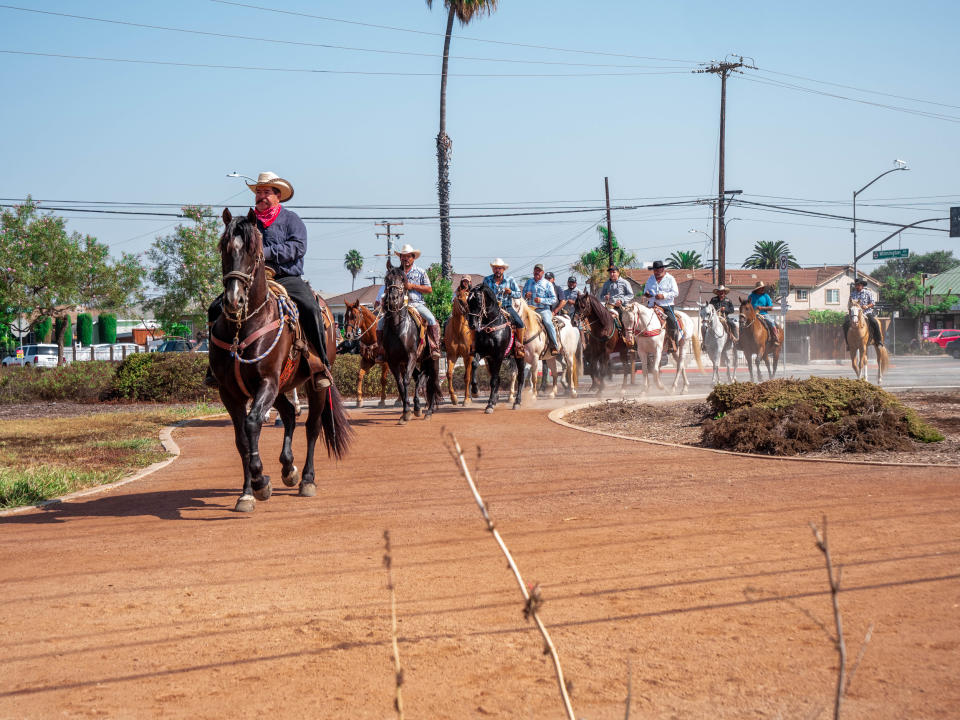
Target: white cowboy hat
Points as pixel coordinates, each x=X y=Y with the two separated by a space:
x=722 y=288
x=275 y=181
x=407 y=249
x=498 y=262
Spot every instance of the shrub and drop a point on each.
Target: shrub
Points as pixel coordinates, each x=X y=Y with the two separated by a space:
x=162 y=377
x=79 y=382
x=85 y=329
x=108 y=328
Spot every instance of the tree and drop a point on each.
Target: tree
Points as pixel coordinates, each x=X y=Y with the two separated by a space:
x=52 y=273
x=186 y=269
x=912 y=299
x=685 y=260
x=464 y=11
x=440 y=301
x=353 y=261
x=593 y=264
x=932 y=263
x=766 y=256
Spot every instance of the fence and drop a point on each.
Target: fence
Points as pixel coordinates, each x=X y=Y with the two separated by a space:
x=113 y=353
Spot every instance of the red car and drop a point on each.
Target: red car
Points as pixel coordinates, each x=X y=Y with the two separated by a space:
x=942 y=337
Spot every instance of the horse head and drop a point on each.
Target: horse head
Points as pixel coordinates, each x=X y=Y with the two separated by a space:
x=481 y=302
x=353 y=316
x=241 y=259
x=395 y=292
x=459 y=305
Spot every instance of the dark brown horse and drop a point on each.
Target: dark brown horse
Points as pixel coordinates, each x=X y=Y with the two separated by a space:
x=601 y=338
x=254 y=355
x=361 y=326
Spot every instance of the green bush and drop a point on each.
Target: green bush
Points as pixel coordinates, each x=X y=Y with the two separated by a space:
x=85 y=329
x=68 y=333
x=108 y=328
x=162 y=377
x=345 y=371
x=42 y=329
x=78 y=382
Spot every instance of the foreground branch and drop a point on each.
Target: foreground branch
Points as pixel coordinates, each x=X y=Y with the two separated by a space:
x=397 y=669
x=532 y=599
x=823 y=545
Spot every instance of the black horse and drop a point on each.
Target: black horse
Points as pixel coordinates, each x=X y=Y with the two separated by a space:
x=493 y=334
x=400 y=340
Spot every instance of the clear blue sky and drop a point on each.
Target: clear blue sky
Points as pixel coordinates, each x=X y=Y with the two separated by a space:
x=88 y=130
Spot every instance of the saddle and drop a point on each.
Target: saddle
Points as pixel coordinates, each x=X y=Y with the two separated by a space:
x=421 y=328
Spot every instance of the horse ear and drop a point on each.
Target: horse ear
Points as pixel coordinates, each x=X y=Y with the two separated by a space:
x=252 y=216
x=389 y=264
x=227 y=217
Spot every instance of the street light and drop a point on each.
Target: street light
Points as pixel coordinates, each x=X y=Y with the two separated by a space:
x=713 y=260
x=235 y=174
x=898 y=165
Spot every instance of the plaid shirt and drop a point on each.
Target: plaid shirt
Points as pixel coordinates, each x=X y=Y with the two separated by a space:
x=864 y=297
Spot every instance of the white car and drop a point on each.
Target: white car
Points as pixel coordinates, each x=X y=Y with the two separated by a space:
x=44 y=355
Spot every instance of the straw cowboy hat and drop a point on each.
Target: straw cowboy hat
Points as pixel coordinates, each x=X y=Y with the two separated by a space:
x=407 y=249
x=498 y=262
x=761 y=285
x=275 y=181
x=722 y=288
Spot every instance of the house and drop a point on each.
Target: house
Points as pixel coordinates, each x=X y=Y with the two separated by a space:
x=946 y=283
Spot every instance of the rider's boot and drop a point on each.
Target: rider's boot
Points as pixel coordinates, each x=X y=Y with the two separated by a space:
x=518 y=341
x=433 y=339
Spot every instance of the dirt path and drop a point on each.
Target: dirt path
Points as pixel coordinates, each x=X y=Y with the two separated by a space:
x=156 y=600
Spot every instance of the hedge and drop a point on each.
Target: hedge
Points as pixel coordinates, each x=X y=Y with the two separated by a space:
x=108 y=328
x=78 y=382
x=85 y=329
x=162 y=377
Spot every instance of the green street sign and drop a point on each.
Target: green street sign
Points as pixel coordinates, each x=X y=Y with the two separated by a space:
x=882 y=254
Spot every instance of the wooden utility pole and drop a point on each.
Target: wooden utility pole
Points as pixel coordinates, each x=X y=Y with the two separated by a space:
x=606 y=187
x=389 y=235
x=713 y=256
x=723 y=69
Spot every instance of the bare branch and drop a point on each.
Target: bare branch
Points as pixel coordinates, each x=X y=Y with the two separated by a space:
x=397 y=668
x=532 y=599
x=856 y=663
x=626 y=715
x=820 y=536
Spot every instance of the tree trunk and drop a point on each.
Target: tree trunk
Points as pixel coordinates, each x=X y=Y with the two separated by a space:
x=61 y=334
x=444 y=148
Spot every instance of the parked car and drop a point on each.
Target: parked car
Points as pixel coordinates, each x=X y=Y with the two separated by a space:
x=942 y=337
x=953 y=348
x=43 y=355
x=176 y=345
x=202 y=347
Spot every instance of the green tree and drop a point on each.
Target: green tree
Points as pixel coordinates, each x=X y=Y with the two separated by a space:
x=910 y=297
x=108 y=327
x=932 y=263
x=440 y=301
x=464 y=11
x=766 y=256
x=685 y=260
x=825 y=317
x=186 y=269
x=353 y=261
x=85 y=329
x=52 y=273
x=593 y=264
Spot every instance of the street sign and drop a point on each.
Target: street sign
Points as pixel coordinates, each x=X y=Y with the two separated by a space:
x=19 y=353
x=20 y=327
x=955 y=222
x=899 y=253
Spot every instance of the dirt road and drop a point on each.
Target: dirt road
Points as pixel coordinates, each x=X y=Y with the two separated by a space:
x=156 y=600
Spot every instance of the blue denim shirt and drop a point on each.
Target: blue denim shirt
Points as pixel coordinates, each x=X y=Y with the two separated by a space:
x=498 y=288
x=285 y=243
x=542 y=290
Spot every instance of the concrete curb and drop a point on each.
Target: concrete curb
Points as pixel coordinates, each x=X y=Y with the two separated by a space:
x=166 y=439
x=558 y=414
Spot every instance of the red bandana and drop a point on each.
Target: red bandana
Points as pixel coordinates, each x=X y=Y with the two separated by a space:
x=269 y=216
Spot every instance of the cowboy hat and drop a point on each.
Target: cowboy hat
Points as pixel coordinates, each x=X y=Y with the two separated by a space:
x=722 y=288
x=657 y=264
x=275 y=181
x=761 y=285
x=860 y=281
x=407 y=249
x=498 y=262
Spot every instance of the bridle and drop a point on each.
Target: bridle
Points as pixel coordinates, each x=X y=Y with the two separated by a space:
x=715 y=322
x=484 y=321
x=587 y=324
x=242 y=313
x=394 y=297
x=351 y=329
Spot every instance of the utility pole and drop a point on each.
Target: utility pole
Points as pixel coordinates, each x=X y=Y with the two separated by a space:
x=389 y=235
x=723 y=69
x=713 y=256
x=374 y=277
x=606 y=187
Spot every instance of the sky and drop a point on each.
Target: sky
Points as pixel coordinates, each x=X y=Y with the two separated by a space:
x=545 y=100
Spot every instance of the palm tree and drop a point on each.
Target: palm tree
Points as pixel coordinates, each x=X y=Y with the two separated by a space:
x=353 y=261
x=464 y=11
x=766 y=256
x=685 y=260
x=593 y=264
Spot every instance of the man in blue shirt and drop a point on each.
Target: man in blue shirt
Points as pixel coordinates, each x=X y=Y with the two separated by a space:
x=762 y=302
x=539 y=294
x=506 y=290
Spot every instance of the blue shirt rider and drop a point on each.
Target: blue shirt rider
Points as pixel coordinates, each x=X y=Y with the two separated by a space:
x=539 y=294
x=506 y=290
x=762 y=302
x=616 y=292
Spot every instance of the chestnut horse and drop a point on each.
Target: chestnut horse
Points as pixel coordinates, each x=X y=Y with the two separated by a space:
x=858 y=339
x=361 y=325
x=458 y=342
x=254 y=356
x=754 y=343
x=601 y=338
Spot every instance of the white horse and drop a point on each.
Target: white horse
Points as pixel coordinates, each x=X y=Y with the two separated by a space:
x=717 y=343
x=535 y=347
x=648 y=334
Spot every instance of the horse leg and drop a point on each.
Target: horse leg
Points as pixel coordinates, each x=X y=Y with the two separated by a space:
x=314 y=425
x=288 y=414
x=360 y=374
x=253 y=423
x=433 y=389
x=418 y=376
x=493 y=366
x=238 y=412
x=468 y=381
x=572 y=371
x=451 y=366
x=521 y=366
x=474 y=364
x=383 y=385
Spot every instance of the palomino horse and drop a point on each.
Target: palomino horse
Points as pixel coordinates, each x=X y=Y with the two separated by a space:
x=717 y=342
x=493 y=333
x=600 y=339
x=754 y=341
x=458 y=341
x=649 y=333
x=262 y=362
x=858 y=339
x=536 y=351
x=405 y=353
x=361 y=326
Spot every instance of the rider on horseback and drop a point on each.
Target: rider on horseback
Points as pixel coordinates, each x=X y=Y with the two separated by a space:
x=725 y=310
x=506 y=288
x=762 y=302
x=661 y=290
x=539 y=294
x=864 y=297
x=568 y=299
x=616 y=293
x=417 y=284
x=284 y=247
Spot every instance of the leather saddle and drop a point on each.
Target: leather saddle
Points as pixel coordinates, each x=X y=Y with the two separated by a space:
x=300 y=345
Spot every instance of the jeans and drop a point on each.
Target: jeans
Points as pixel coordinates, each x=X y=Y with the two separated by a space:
x=514 y=315
x=420 y=308
x=547 y=316
x=671 y=319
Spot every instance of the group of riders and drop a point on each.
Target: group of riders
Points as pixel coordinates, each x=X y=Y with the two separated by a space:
x=284 y=238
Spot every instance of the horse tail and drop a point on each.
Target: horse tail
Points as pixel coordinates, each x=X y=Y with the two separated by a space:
x=696 y=350
x=883 y=359
x=337 y=433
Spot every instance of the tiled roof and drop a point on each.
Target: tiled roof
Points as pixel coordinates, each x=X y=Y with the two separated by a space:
x=366 y=296
x=740 y=279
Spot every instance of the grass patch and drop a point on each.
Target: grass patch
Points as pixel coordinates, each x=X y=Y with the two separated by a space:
x=44 y=458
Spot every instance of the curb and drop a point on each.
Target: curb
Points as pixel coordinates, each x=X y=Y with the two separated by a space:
x=166 y=439
x=558 y=414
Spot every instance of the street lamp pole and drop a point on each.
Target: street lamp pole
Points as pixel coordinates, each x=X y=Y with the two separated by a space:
x=900 y=165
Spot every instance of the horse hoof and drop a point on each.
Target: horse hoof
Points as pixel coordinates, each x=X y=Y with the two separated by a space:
x=402 y=421
x=360 y=403
x=382 y=403
x=308 y=489
x=407 y=415
x=263 y=493
x=278 y=422
x=293 y=478
x=418 y=413
x=245 y=504
x=488 y=410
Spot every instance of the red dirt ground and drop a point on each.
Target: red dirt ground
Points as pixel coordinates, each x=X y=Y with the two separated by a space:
x=156 y=600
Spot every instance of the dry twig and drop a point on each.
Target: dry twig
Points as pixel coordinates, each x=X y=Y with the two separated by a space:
x=823 y=545
x=397 y=668
x=532 y=599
